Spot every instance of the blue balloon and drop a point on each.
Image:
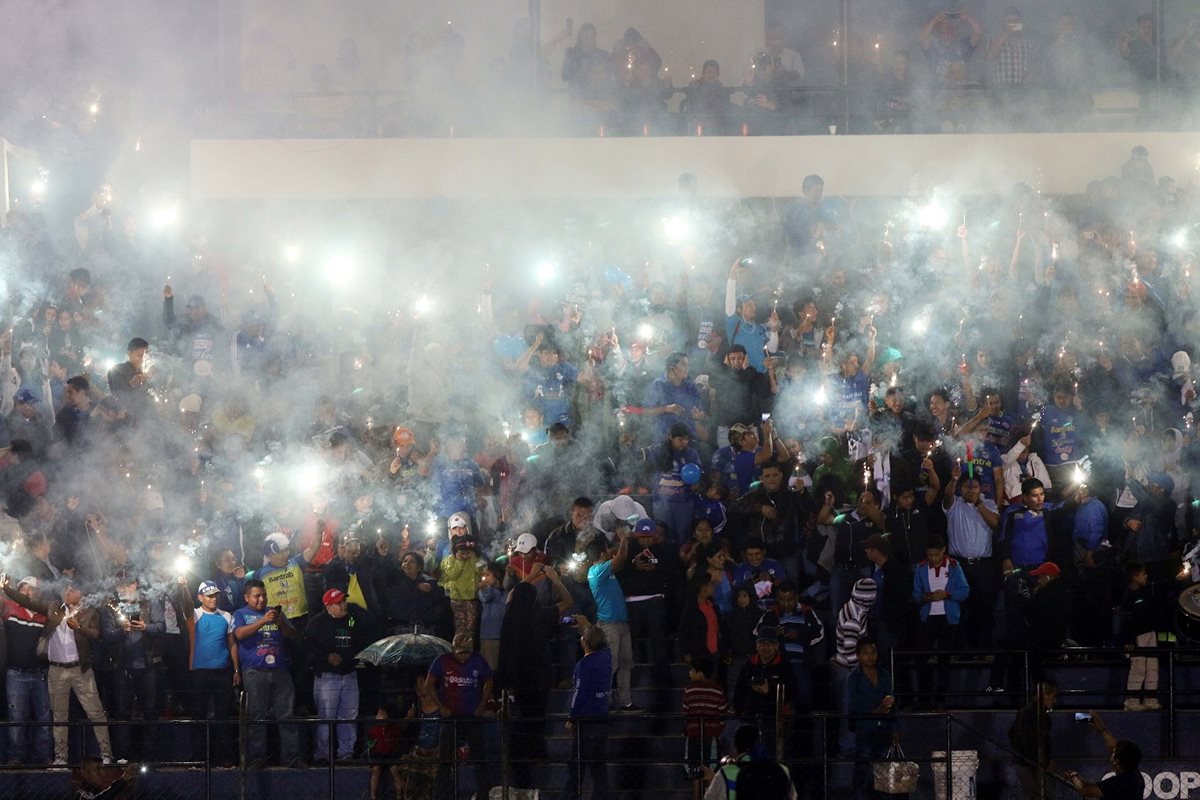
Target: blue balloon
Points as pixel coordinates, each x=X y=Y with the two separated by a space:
x=691 y=474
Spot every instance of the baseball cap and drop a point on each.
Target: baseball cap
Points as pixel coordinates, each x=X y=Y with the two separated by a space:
x=275 y=543
x=207 y=588
x=525 y=543
x=30 y=580
x=196 y=301
x=1046 y=568
x=458 y=520
x=332 y=596
x=645 y=526
x=767 y=633
x=462 y=643
x=738 y=427
x=403 y=437
x=26 y=396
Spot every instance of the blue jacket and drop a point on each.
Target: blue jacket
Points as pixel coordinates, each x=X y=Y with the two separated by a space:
x=956 y=586
x=592 y=685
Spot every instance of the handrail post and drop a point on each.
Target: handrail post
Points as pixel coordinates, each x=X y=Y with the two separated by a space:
x=779 y=723
x=949 y=760
x=1172 y=653
x=329 y=752
x=208 y=754
x=505 y=745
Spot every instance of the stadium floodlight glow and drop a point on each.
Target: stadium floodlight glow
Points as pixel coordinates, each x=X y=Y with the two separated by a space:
x=424 y=304
x=292 y=252
x=37 y=188
x=933 y=215
x=165 y=215
x=307 y=479
x=545 y=272
x=340 y=269
x=676 y=228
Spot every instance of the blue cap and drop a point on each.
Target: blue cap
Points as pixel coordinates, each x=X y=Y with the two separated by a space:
x=645 y=526
x=207 y=588
x=27 y=396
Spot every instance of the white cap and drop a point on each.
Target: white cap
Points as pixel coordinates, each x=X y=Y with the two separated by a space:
x=525 y=543
x=458 y=520
x=190 y=404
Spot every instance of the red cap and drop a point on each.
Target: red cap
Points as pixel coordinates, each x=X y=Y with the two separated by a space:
x=1047 y=568
x=333 y=596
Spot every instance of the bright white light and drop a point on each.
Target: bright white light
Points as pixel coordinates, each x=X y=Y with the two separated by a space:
x=259 y=474
x=1180 y=239
x=109 y=364
x=645 y=331
x=1079 y=476
x=292 y=252
x=183 y=565
x=94 y=109
x=38 y=188
x=165 y=216
x=545 y=272
x=424 y=304
x=307 y=479
x=933 y=215
x=820 y=397
x=920 y=325
x=340 y=270
x=676 y=228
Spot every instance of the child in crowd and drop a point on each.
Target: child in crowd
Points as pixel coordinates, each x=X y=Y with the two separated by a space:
x=743 y=622
x=1137 y=631
x=418 y=768
x=383 y=745
x=705 y=707
x=712 y=503
x=701 y=542
x=460 y=574
x=491 y=615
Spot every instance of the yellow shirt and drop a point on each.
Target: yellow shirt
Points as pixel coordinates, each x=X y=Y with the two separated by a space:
x=354 y=593
x=285 y=587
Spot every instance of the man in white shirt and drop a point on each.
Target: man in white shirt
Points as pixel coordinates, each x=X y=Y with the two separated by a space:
x=69 y=630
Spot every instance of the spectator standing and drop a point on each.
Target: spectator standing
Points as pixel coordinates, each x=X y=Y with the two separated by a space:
x=1138 y=612
x=69 y=630
x=460 y=574
x=526 y=669
x=213 y=660
x=587 y=721
x=1031 y=735
x=971 y=522
x=612 y=616
x=939 y=589
x=462 y=680
x=1126 y=781
x=704 y=709
x=270 y=693
x=870 y=704
x=26 y=689
x=331 y=640
x=1012 y=52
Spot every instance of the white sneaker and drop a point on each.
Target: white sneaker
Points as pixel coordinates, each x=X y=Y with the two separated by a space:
x=58 y=763
x=108 y=761
x=1133 y=704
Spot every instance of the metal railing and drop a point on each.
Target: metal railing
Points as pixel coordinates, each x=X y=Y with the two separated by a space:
x=643 y=753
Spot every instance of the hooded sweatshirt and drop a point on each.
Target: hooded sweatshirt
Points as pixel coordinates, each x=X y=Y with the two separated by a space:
x=852 y=621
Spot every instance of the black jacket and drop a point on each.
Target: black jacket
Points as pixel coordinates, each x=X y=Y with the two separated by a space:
x=693 y=632
x=778 y=672
x=324 y=636
x=782 y=534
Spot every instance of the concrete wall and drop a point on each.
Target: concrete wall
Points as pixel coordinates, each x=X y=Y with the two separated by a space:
x=637 y=167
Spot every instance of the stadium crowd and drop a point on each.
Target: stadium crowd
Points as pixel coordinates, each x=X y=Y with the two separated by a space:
x=934 y=438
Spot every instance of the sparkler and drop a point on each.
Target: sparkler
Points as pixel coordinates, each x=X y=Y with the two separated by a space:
x=676 y=228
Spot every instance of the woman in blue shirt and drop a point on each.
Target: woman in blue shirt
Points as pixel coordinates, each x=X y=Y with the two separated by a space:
x=870 y=704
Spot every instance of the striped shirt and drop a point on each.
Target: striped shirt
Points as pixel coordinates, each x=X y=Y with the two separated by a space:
x=851 y=626
x=704 y=704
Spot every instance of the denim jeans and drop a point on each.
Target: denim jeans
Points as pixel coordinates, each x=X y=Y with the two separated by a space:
x=336 y=697
x=28 y=701
x=270 y=695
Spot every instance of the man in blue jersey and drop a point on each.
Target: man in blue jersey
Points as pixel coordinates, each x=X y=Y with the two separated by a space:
x=215 y=671
x=270 y=692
